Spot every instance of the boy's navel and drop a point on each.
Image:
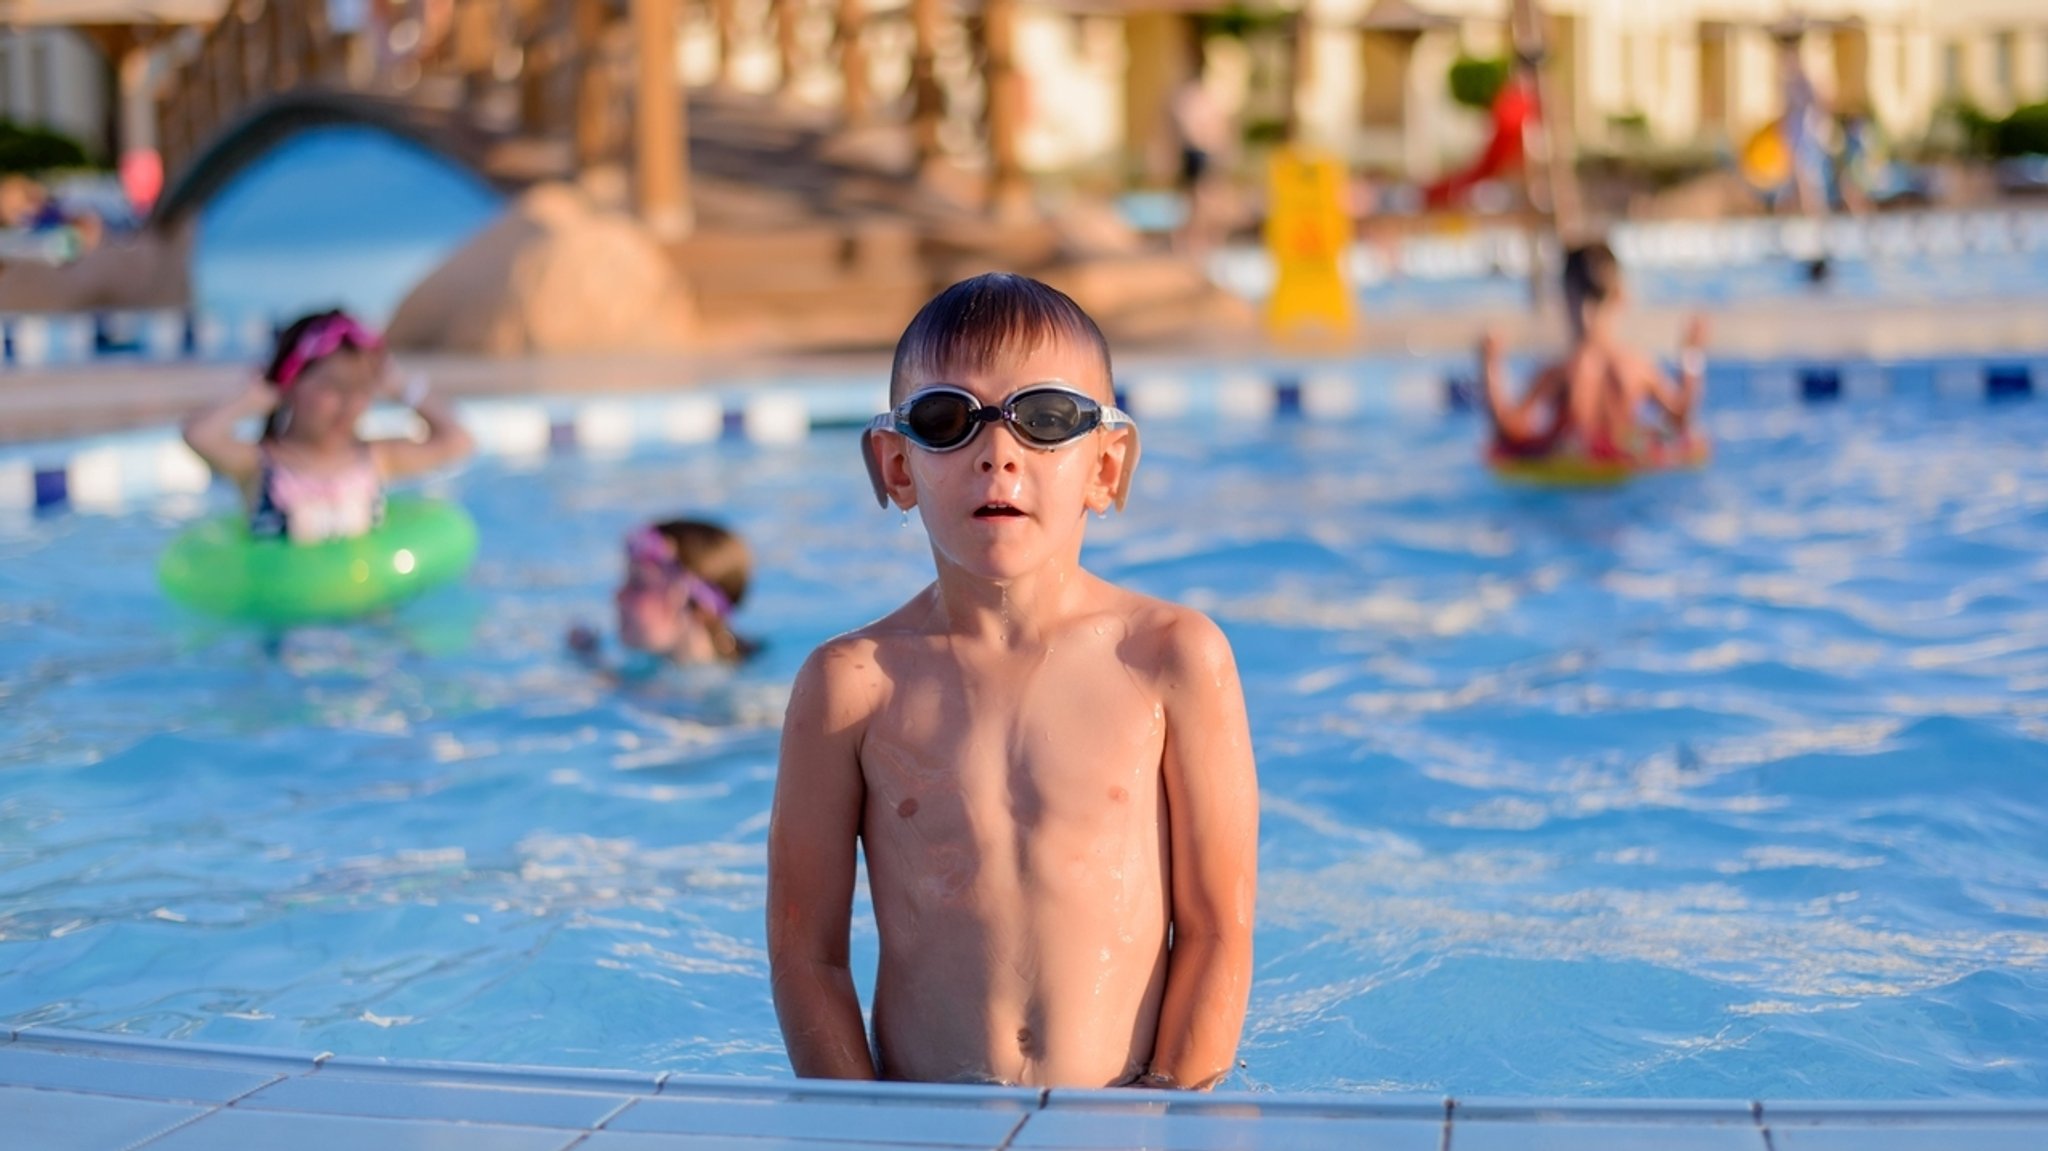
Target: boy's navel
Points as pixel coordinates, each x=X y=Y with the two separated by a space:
x=907 y=808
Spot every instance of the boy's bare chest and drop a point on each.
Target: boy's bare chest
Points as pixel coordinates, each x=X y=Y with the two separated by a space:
x=1020 y=736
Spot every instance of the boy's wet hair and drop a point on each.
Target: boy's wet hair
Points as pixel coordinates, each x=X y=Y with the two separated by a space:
x=1591 y=274
x=985 y=321
x=722 y=559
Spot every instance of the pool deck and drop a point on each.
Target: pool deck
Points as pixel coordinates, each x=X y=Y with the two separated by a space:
x=80 y=1091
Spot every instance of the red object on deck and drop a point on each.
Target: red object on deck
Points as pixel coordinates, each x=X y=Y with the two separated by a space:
x=142 y=178
x=1512 y=111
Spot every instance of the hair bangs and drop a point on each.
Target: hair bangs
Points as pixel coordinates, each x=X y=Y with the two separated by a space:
x=982 y=323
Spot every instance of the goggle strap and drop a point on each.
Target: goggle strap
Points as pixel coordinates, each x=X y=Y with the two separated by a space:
x=872 y=458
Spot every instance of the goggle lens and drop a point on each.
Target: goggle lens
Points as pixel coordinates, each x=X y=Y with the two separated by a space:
x=1048 y=417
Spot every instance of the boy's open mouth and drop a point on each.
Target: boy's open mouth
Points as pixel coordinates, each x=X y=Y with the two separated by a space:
x=995 y=509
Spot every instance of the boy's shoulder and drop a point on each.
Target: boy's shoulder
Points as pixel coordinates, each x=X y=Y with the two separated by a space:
x=1170 y=637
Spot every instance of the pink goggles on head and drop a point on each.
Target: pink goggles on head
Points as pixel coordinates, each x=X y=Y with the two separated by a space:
x=648 y=545
x=320 y=339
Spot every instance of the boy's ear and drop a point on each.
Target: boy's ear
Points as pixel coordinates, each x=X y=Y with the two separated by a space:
x=1115 y=465
x=888 y=468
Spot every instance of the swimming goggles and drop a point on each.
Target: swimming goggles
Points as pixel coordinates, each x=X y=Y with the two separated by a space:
x=945 y=418
x=648 y=545
x=320 y=339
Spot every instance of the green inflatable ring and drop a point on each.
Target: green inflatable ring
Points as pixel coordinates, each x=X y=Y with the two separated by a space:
x=216 y=567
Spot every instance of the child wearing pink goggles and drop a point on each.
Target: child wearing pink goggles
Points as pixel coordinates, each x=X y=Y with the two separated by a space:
x=683 y=580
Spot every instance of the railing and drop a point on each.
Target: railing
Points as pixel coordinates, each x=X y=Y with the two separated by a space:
x=517 y=67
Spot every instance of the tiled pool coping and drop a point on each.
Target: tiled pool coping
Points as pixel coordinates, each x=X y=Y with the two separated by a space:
x=119 y=470
x=81 y=1091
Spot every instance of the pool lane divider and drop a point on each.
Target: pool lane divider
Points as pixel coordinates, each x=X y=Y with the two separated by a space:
x=115 y=472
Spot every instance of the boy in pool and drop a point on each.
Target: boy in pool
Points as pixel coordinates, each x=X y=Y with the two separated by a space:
x=684 y=578
x=309 y=477
x=1592 y=395
x=1051 y=777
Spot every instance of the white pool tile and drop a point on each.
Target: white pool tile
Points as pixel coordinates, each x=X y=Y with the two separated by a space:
x=1246 y=397
x=17 y=484
x=689 y=420
x=237 y=1130
x=1929 y=1136
x=1081 y=1129
x=27 y=1066
x=1331 y=396
x=35 y=1120
x=882 y=1121
x=1158 y=398
x=776 y=418
x=331 y=1094
x=1467 y=1135
x=608 y=428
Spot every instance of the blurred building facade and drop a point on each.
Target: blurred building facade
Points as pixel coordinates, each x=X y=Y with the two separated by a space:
x=1365 y=78
x=1670 y=72
x=55 y=78
x=1368 y=78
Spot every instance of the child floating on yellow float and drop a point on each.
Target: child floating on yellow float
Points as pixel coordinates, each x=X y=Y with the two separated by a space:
x=1578 y=421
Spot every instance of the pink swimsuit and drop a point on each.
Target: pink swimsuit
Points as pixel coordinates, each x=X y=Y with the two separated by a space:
x=308 y=508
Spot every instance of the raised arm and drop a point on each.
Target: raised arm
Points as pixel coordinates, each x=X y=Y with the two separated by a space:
x=812 y=833
x=1212 y=798
x=447 y=440
x=211 y=433
x=1515 y=421
x=1679 y=403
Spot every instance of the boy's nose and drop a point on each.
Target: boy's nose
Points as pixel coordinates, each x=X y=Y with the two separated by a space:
x=997 y=449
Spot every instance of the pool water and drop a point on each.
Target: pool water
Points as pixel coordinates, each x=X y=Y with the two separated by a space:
x=1727 y=785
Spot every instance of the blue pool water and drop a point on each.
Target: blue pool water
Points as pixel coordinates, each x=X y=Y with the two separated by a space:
x=1729 y=784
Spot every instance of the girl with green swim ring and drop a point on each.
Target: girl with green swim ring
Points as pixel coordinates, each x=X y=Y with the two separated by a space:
x=309 y=477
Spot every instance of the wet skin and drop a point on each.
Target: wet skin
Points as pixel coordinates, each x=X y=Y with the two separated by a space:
x=1018 y=750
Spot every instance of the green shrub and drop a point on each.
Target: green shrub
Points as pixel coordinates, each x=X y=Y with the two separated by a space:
x=2024 y=133
x=1475 y=81
x=24 y=149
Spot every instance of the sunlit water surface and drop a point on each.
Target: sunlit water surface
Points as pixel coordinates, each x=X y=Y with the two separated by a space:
x=1729 y=784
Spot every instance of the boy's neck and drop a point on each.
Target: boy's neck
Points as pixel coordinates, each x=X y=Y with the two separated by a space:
x=1013 y=613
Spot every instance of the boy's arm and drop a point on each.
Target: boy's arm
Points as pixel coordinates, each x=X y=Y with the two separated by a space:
x=1212 y=799
x=812 y=833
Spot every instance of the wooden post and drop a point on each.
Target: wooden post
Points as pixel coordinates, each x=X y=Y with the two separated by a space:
x=594 y=138
x=725 y=22
x=789 y=16
x=1553 y=188
x=1546 y=137
x=853 y=63
x=660 y=124
x=1009 y=196
x=928 y=107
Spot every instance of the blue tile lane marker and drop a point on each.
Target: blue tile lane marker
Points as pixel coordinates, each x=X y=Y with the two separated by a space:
x=1820 y=384
x=1287 y=396
x=734 y=423
x=562 y=436
x=52 y=487
x=2007 y=381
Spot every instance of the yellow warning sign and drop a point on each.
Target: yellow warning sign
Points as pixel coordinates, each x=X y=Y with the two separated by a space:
x=1307 y=231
